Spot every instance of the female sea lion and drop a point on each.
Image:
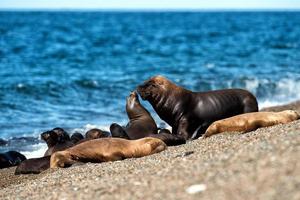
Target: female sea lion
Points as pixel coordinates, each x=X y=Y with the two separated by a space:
x=251 y=121
x=57 y=139
x=106 y=149
x=190 y=113
x=141 y=124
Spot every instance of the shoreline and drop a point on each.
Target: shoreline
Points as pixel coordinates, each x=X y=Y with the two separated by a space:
x=259 y=164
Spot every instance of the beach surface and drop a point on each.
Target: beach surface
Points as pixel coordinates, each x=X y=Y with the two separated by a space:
x=263 y=164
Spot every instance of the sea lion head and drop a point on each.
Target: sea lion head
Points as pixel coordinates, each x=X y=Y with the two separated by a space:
x=95 y=133
x=132 y=100
x=292 y=114
x=153 y=87
x=76 y=137
x=54 y=136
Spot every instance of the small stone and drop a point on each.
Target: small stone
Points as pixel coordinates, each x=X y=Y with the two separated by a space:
x=193 y=189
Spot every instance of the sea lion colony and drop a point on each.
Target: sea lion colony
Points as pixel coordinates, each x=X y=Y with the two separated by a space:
x=190 y=114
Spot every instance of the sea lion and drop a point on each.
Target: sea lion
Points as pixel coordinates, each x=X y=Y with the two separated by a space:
x=96 y=133
x=76 y=137
x=190 y=113
x=251 y=121
x=33 y=165
x=118 y=131
x=57 y=139
x=141 y=124
x=10 y=159
x=106 y=149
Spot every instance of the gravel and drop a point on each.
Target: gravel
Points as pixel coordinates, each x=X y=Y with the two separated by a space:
x=263 y=164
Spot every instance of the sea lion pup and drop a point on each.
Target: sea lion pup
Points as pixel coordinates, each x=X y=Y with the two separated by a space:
x=57 y=139
x=96 y=133
x=10 y=159
x=33 y=165
x=76 y=137
x=107 y=149
x=251 y=121
x=190 y=113
x=118 y=131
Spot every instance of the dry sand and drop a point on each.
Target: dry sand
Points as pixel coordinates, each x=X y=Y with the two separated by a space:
x=263 y=164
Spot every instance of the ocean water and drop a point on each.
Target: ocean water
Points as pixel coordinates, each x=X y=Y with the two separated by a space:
x=75 y=69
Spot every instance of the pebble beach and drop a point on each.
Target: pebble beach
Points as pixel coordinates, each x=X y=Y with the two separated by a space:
x=262 y=164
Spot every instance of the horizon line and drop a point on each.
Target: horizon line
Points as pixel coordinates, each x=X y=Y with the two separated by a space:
x=151 y=9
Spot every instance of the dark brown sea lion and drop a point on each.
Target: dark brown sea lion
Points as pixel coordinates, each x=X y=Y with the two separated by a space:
x=251 y=121
x=33 y=165
x=96 y=133
x=10 y=159
x=57 y=139
x=141 y=124
x=107 y=149
x=76 y=137
x=190 y=113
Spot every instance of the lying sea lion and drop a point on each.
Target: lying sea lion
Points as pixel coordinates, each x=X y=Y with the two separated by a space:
x=37 y=165
x=106 y=149
x=251 y=121
x=141 y=124
x=190 y=113
x=57 y=139
x=33 y=165
x=10 y=159
x=96 y=133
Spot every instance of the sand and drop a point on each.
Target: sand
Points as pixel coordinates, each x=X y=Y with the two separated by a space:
x=263 y=164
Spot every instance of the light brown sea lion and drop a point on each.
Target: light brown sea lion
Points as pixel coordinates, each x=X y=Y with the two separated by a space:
x=251 y=121
x=190 y=113
x=106 y=149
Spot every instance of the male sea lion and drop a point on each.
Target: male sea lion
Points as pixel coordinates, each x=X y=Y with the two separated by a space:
x=10 y=159
x=141 y=124
x=106 y=149
x=190 y=113
x=251 y=121
x=57 y=139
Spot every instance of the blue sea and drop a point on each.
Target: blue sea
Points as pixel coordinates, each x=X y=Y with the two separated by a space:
x=74 y=69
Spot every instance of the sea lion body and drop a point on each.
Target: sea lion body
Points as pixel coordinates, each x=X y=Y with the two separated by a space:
x=10 y=159
x=190 y=113
x=106 y=149
x=251 y=121
x=141 y=124
x=33 y=165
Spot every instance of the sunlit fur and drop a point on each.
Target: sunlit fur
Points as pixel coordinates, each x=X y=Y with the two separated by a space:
x=251 y=121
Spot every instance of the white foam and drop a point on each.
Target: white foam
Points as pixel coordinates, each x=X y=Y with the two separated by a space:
x=87 y=127
x=39 y=150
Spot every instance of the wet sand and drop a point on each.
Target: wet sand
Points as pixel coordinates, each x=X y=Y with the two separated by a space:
x=263 y=164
